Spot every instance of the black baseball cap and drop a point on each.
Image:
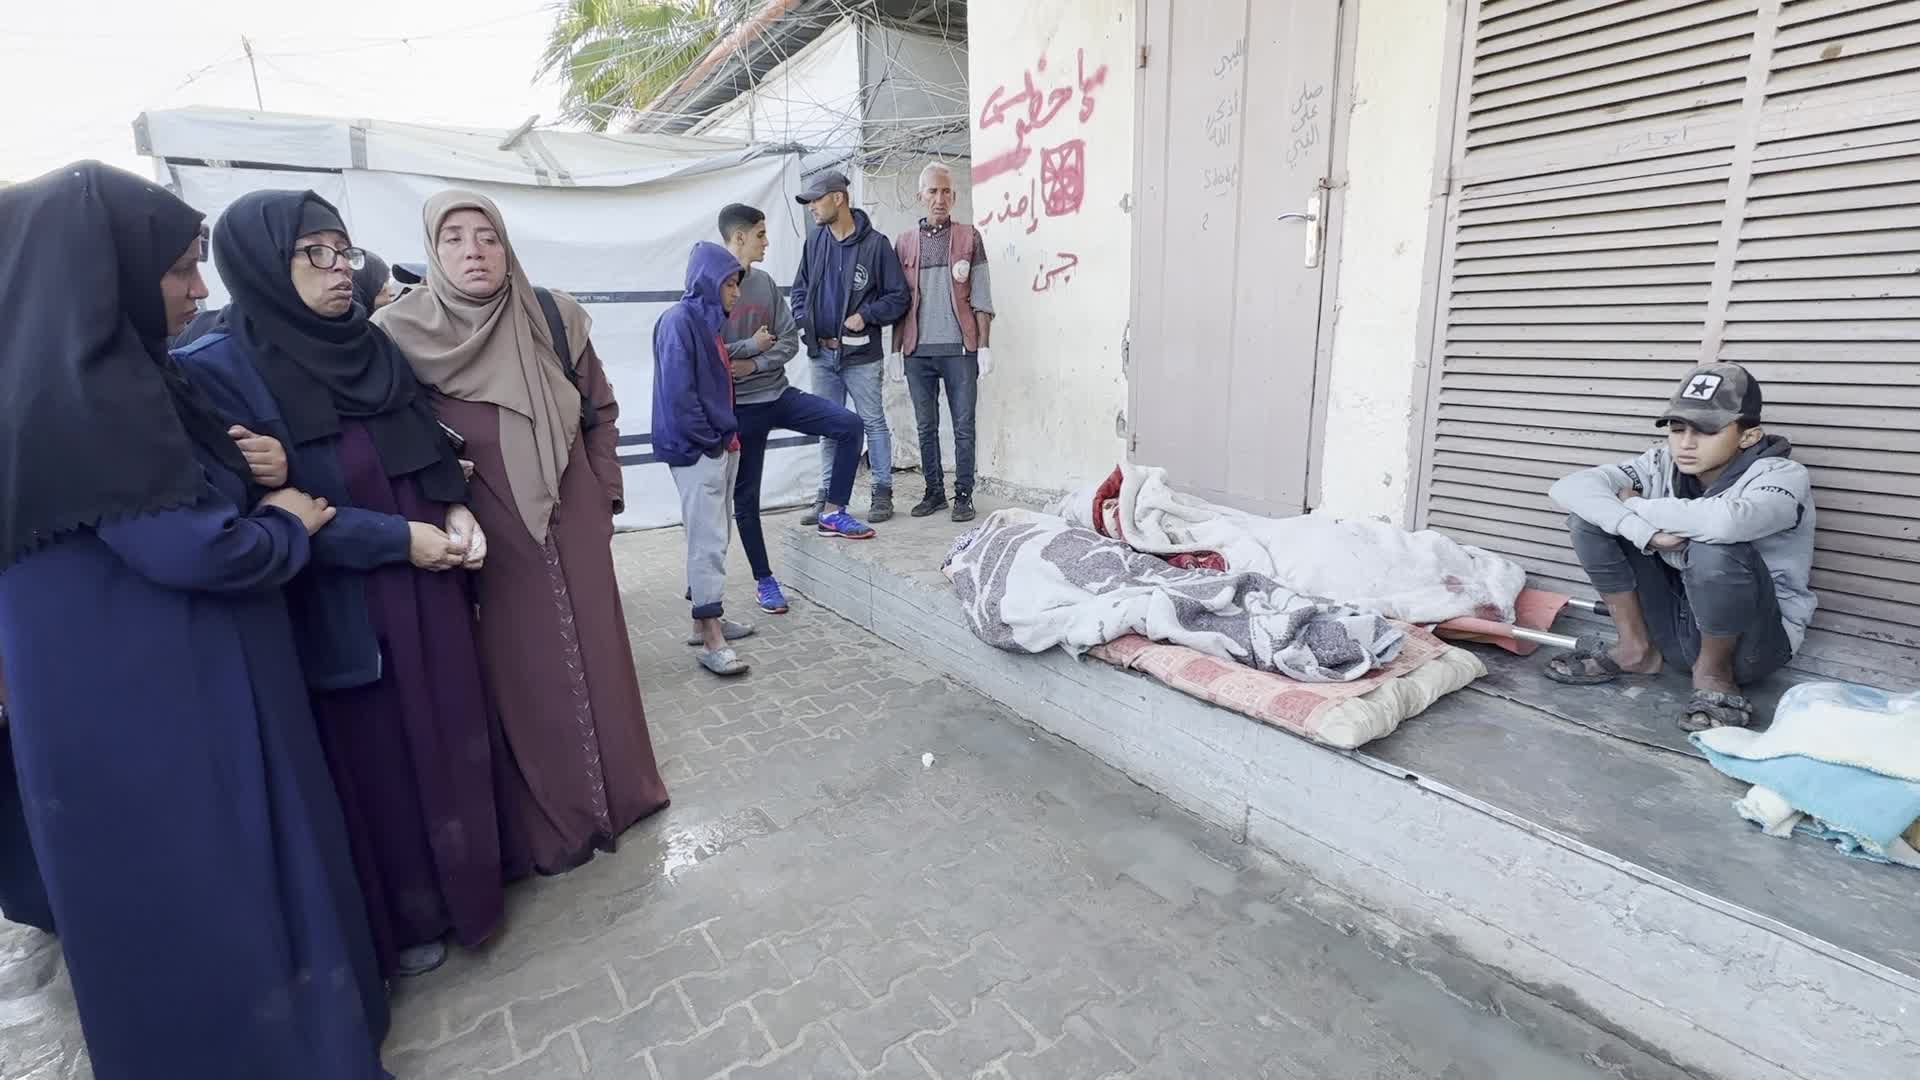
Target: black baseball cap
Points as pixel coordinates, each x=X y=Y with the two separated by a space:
x=409 y=273
x=823 y=185
x=1713 y=396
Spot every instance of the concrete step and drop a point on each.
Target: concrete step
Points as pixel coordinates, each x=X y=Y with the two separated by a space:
x=1605 y=876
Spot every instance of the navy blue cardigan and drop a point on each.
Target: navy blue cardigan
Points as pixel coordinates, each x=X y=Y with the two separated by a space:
x=338 y=646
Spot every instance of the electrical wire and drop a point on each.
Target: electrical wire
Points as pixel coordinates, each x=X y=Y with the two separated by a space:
x=842 y=122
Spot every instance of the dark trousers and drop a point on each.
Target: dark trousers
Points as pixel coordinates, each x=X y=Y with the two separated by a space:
x=962 y=376
x=1724 y=590
x=794 y=410
x=23 y=896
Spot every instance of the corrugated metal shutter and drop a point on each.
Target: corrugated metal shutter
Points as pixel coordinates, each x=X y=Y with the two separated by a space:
x=1639 y=185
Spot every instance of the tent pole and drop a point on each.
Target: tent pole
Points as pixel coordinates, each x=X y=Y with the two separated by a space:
x=247 y=46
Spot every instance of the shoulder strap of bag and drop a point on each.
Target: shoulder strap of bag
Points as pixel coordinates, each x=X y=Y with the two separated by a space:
x=557 y=328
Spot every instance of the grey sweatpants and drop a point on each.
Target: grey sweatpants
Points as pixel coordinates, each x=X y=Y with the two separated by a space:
x=706 y=506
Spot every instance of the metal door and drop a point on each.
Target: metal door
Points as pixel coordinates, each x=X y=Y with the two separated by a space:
x=1236 y=115
x=1648 y=186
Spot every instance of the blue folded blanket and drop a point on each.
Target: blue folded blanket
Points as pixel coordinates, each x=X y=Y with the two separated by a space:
x=1872 y=807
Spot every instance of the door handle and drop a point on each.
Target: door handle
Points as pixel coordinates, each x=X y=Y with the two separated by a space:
x=1312 y=218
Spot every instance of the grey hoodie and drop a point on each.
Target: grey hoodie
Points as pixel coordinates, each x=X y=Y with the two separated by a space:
x=1770 y=506
x=760 y=305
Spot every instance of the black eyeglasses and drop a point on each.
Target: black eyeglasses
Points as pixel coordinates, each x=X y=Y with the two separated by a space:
x=323 y=256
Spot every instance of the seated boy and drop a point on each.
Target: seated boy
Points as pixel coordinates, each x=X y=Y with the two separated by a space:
x=696 y=434
x=1701 y=549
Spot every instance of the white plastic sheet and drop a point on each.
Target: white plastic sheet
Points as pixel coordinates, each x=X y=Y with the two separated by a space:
x=621 y=250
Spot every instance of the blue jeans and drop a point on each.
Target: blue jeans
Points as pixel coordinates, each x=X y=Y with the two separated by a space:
x=794 y=410
x=862 y=382
x=1725 y=590
x=962 y=376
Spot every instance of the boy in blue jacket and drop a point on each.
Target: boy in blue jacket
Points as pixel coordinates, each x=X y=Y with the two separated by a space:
x=696 y=434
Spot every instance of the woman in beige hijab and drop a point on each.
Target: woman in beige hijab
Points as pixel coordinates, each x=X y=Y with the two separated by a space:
x=546 y=486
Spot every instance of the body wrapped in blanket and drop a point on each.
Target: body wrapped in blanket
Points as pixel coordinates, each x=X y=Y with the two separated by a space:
x=1417 y=577
x=1029 y=582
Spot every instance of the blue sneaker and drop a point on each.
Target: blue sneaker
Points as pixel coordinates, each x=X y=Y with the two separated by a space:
x=845 y=526
x=772 y=600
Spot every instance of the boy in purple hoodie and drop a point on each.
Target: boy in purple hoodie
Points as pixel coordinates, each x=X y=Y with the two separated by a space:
x=696 y=434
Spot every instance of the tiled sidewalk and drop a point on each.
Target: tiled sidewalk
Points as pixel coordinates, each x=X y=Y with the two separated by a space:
x=824 y=900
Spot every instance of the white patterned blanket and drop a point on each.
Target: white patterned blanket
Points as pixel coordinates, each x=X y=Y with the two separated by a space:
x=1417 y=577
x=1030 y=582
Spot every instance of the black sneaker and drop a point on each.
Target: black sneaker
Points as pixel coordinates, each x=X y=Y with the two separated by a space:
x=935 y=502
x=963 y=508
x=882 y=506
x=812 y=517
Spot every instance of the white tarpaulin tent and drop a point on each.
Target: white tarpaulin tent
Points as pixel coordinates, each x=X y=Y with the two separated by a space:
x=606 y=218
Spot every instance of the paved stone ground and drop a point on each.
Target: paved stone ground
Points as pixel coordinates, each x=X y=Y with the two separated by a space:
x=821 y=902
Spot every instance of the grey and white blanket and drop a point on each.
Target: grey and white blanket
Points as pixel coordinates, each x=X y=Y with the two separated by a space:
x=1030 y=582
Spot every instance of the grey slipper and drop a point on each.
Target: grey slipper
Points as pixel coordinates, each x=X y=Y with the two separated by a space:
x=1589 y=650
x=725 y=663
x=417 y=960
x=1713 y=709
x=734 y=631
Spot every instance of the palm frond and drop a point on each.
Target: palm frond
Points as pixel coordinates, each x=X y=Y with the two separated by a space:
x=616 y=55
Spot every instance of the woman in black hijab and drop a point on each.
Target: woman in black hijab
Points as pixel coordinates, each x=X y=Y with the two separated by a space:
x=373 y=284
x=385 y=623
x=178 y=800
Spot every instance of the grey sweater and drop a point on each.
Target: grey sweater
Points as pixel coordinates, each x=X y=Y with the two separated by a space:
x=1770 y=506
x=760 y=305
x=939 y=323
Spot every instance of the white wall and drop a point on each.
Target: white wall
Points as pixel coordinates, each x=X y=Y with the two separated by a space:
x=1048 y=413
x=908 y=78
x=1373 y=404
x=730 y=121
x=914 y=82
x=813 y=99
x=911 y=83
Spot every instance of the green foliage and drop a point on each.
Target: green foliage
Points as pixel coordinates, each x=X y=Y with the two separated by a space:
x=622 y=54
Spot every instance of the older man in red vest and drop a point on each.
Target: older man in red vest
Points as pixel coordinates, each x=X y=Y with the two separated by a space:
x=943 y=337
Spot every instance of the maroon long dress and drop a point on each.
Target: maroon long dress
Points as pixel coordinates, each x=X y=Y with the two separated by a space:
x=412 y=755
x=554 y=641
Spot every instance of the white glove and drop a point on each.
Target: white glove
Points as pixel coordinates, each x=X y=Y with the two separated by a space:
x=896 y=367
x=986 y=361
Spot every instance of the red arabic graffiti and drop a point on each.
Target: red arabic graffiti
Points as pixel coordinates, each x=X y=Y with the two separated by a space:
x=1043 y=279
x=1063 y=177
x=1028 y=207
x=1037 y=109
x=1000 y=164
x=1060 y=190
